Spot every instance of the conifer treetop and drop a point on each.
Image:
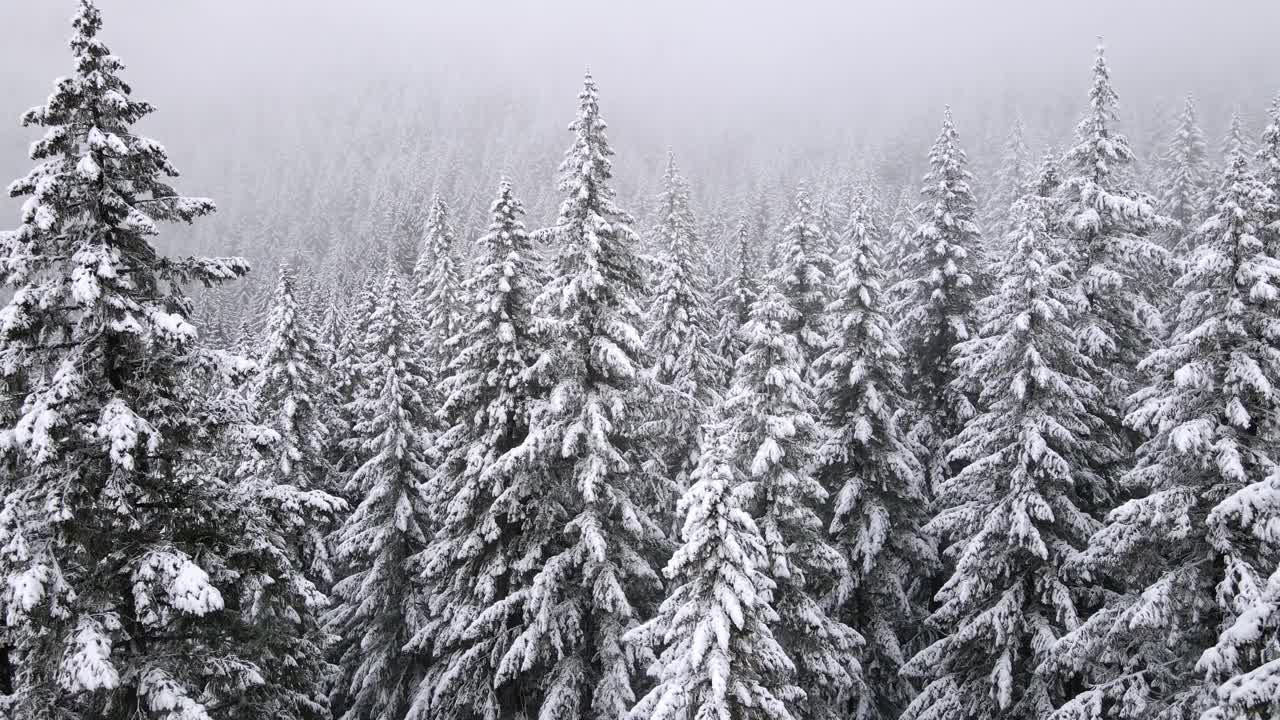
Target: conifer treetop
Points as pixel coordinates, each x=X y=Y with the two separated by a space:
x=1186 y=169
x=1099 y=151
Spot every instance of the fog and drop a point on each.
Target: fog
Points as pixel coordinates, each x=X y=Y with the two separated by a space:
x=256 y=87
x=678 y=61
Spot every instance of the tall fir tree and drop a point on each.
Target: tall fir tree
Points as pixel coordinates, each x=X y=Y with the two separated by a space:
x=802 y=275
x=599 y=580
x=1236 y=140
x=736 y=294
x=1012 y=181
x=289 y=397
x=936 y=297
x=1014 y=516
x=349 y=383
x=1188 y=557
x=496 y=517
x=1268 y=157
x=866 y=458
x=680 y=332
x=438 y=287
x=1109 y=223
x=139 y=575
x=771 y=421
x=720 y=660
x=902 y=228
x=374 y=608
x=1185 y=191
x=288 y=390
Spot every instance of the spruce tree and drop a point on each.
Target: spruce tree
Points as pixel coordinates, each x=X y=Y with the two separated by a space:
x=139 y=574
x=937 y=295
x=1014 y=515
x=721 y=660
x=1188 y=557
x=374 y=605
x=349 y=384
x=288 y=391
x=1011 y=182
x=1109 y=222
x=586 y=437
x=1185 y=189
x=1245 y=660
x=438 y=286
x=1236 y=140
x=1268 y=157
x=902 y=228
x=736 y=294
x=494 y=517
x=771 y=421
x=873 y=469
x=802 y=275
x=289 y=398
x=331 y=333
x=680 y=332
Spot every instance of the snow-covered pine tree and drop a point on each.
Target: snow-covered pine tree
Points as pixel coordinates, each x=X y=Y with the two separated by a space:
x=586 y=438
x=348 y=383
x=1013 y=515
x=680 y=333
x=829 y=231
x=735 y=296
x=1268 y=153
x=494 y=517
x=1236 y=140
x=1268 y=157
x=721 y=660
x=1011 y=182
x=289 y=397
x=331 y=332
x=1245 y=657
x=770 y=412
x=288 y=390
x=902 y=227
x=374 y=612
x=936 y=297
x=1185 y=191
x=866 y=458
x=1191 y=554
x=802 y=275
x=1048 y=182
x=138 y=576
x=1109 y=222
x=438 y=287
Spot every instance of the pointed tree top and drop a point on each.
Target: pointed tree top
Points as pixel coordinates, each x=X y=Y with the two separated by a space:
x=672 y=167
x=1187 y=117
x=87 y=20
x=1102 y=96
x=286 y=276
x=590 y=93
x=439 y=207
x=803 y=202
x=391 y=283
x=439 y=233
x=1047 y=178
x=949 y=132
x=1236 y=140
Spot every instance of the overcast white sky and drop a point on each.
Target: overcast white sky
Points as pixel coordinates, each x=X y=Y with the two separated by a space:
x=670 y=55
x=776 y=71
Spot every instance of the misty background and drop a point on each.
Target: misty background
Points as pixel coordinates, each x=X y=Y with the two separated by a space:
x=315 y=123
